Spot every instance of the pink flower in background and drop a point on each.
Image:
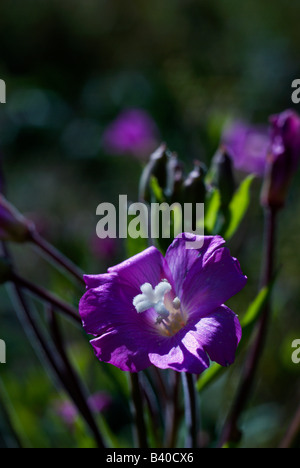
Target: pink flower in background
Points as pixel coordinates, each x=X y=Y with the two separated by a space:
x=104 y=249
x=271 y=152
x=66 y=410
x=248 y=146
x=283 y=158
x=133 y=132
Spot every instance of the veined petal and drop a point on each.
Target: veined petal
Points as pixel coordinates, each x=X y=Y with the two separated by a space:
x=180 y=354
x=122 y=348
x=110 y=305
x=186 y=321
x=109 y=298
x=94 y=281
x=180 y=259
x=219 y=334
x=148 y=266
x=208 y=286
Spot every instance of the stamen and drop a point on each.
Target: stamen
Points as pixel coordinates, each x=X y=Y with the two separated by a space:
x=176 y=303
x=153 y=298
x=170 y=318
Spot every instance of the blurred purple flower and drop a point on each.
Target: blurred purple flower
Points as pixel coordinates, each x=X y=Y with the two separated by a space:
x=133 y=132
x=167 y=312
x=99 y=402
x=248 y=146
x=104 y=249
x=68 y=412
x=282 y=159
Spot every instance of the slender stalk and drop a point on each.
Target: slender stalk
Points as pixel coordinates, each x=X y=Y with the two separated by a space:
x=57 y=257
x=138 y=412
x=160 y=384
x=13 y=440
x=292 y=432
x=155 y=416
x=57 y=363
x=73 y=386
x=58 y=370
x=45 y=295
x=231 y=432
x=173 y=413
x=190 y=410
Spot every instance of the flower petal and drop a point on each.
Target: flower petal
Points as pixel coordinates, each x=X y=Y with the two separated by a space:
x=122 y=348
x=109 y=299
x=182 y=355
x=94 y=281
x=180 y=258
x=111 y=305
x=148 y=266
x=208 y=286
x=219 y=334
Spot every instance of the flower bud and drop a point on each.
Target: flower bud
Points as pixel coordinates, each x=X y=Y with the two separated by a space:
x=157 y=167
x=282 y=159
x=174 y=185
x=13 y=226
x=194 y=190
x=223 y=176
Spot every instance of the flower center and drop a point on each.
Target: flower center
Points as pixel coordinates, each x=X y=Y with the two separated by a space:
x=170 y=318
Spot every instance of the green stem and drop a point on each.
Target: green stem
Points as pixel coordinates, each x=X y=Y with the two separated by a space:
x=292 y=432
x=190 y=410
x=138 y=411
x=173 y=413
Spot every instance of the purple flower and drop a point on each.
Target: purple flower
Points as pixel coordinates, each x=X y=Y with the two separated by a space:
x=166 y=311
x=248 y=146
x=282 y=159
x=132 y=132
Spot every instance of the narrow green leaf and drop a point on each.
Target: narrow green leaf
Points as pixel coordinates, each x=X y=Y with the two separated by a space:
x=157 y=191
x=255 y=308
x=135 y=246
x=209 y=376
x=212 y=207
x=238 y=207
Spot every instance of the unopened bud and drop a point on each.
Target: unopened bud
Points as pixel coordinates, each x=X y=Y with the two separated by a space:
x=223 y=176
x=175 y=179
x=157 y=167
x=194 y=190
x=282 y=160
